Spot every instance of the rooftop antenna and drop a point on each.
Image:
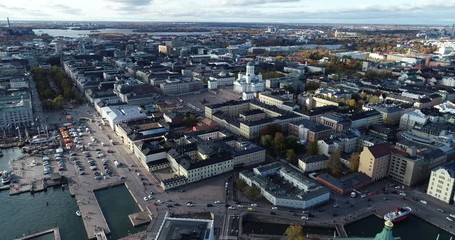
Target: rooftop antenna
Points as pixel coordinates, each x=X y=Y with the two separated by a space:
x=7 y=20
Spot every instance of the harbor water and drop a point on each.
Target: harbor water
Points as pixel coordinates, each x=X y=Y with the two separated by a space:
x=116 y=204
x=26 y=213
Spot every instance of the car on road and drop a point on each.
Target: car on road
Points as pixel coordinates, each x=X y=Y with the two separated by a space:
x=440 y=210
x=231 y=208
x=305 y=217
x=403 y=194
x=274 y=208
x=424 y=202
x=336 y=205
x=272 y=213
x=254 y=205
x=146 y=198
x=209 y=205
x=217 y=202
x=189 y=204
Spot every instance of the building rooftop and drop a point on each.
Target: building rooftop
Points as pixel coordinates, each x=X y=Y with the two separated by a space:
x=185 y=228
x=380 y=150
x=316 y=158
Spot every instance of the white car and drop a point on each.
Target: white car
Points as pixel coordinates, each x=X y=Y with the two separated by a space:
x=159 y=201
x=217 y=202
x=254 y=205
x=274 y=208
x=423 y=201
x=304 y=217
x=231 y=208
x=189 y=204
x=403 y=194
x=146 y=198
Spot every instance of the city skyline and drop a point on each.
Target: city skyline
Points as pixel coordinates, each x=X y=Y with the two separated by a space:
x=283 y=11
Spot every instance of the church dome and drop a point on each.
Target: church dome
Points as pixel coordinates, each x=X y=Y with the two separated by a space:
x=250 y=64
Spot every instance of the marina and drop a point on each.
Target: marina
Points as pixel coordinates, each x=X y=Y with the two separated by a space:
x=29 y=176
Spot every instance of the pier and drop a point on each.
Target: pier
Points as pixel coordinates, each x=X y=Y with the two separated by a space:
x=91 y=213
x=55 y=231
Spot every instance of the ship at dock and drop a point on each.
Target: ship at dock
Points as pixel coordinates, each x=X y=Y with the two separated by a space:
x=398 y=215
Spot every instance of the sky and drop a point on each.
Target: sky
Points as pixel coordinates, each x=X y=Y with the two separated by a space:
x=282 y=11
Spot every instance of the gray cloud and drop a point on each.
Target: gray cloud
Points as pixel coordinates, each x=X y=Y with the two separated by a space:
x=65 y=9
x=130 y=5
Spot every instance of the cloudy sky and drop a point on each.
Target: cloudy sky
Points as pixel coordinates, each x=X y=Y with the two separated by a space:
x=291 y=11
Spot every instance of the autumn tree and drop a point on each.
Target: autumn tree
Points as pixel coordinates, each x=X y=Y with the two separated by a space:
x=334 y=164
x=291 y=156
x=266 y=140
x=295 y=232
x=312 y=148
x=354 y=160
x=278 y=142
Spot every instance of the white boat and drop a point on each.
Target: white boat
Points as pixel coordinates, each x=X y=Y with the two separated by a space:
x=78 y=213
x=6 y=177
x=452 y=215
x=450 y=219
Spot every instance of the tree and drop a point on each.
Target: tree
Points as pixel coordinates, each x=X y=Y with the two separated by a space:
x=291 y=142
x=291 y=156
x=295 y=232
x=312 y=148
x=351 y=103
x=271 y=130
x=266 y=140
x=190 y=121
x=278 y=141
x=252 y=193
x=354 y=161
x=334 y=164
x=58 y=102
x=373 y=99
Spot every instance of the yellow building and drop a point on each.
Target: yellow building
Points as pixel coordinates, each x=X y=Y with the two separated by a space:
x=374 y=161
x=441 y=185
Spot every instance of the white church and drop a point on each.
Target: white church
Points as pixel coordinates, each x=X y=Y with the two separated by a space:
x=249 y=84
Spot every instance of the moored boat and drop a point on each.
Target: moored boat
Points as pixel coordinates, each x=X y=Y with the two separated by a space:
x=398 y=215
x=6 y=177
x=78 y=213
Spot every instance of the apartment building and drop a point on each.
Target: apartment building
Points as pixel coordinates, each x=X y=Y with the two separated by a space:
x=15 y=110
x=411 y=168
x=374 y=161
x=309 y=131
x=313 y=163
x=442 y=183
x=337 y=121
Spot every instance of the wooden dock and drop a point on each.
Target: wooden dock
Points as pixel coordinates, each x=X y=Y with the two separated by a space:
x=55 y=231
